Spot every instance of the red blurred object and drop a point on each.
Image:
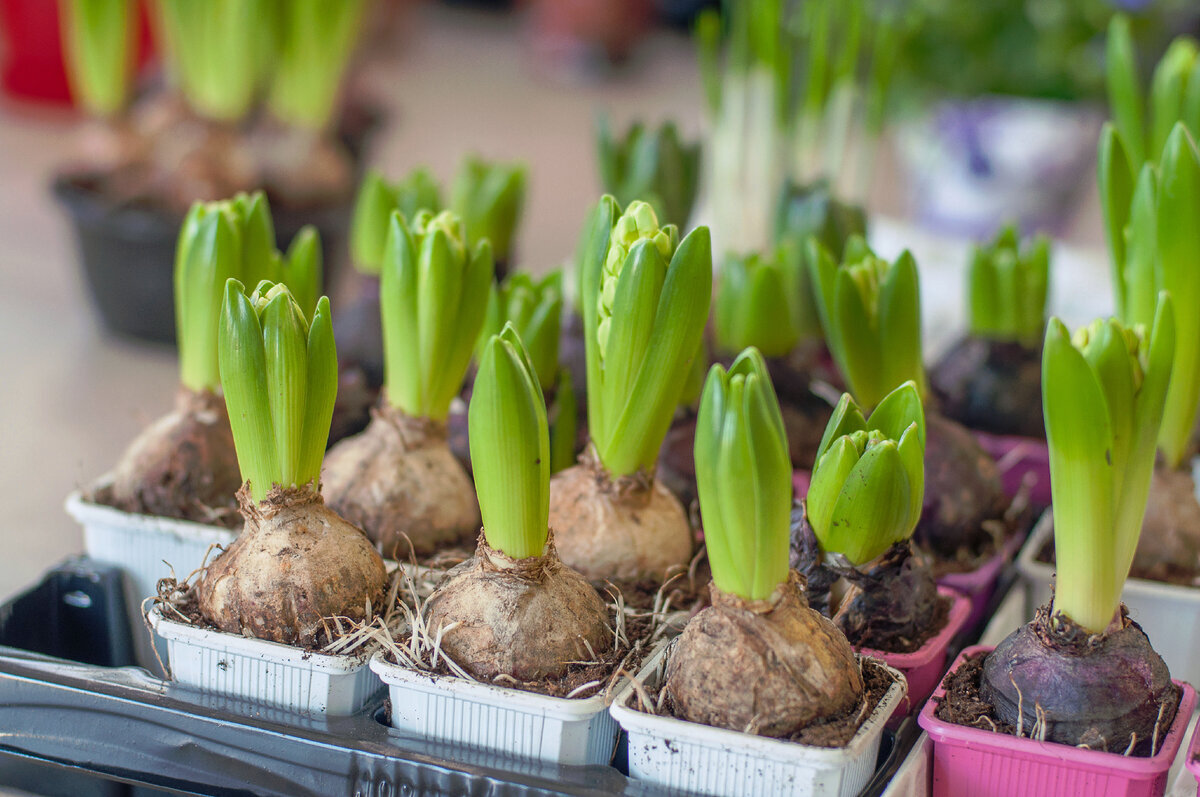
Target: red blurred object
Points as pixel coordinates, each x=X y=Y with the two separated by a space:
x=33 y=60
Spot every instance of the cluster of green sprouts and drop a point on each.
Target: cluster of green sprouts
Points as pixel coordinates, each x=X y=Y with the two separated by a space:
x=510 y=448
x=433 y=294
x=1103 y=392
x=653 y=165
x=98 y=48
x=279 y=374
x=871 y=312
x=868 y=486
x=645 y=300
x=1007 y=288
x=744 y=478
x=489 y=197
x=373 y=208
x=232 y=239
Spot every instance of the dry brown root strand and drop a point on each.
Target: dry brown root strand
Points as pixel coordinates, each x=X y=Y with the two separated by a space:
x=182 y=466
x=1169 y=548
x=399 y=482
x=776 y=665
x=295 y=563
x=624 y=529
x=522 y=618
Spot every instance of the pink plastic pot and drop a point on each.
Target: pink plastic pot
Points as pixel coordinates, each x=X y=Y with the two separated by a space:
x=986 y=764
x=980 y=583
x=1019 y=458
x=1190 y=758
x=923 y=668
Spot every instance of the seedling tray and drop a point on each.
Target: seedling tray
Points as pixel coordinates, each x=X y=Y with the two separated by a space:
x=77 y=719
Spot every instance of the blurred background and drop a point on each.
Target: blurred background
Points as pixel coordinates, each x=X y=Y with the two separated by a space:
x=966 y=115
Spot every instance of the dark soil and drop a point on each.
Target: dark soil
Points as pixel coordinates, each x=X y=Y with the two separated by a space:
x=891 y=644
x=836 y=731
x=170 y=506
x=610 y=662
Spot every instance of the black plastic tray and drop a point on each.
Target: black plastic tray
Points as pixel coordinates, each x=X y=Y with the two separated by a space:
x=75 y=721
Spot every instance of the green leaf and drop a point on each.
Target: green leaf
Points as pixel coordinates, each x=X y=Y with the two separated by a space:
x=1141 y=252
x=873 y=504
x=847 y=418
x=634 y=439
x=303 y=268
x=1179 y=261
x=243 y=365
x=1168 y=89
x=912 y=454
x=399 y=317
x=898 y=411
x=97 y=45
x=1082 y=472
x=510 y=449
x=1124 y=89
x=1115 y=176
x=285 y=344
x=316 y=39
x=208 y=253
x=900 y=325
x=854 y=342
x=320 y=393
x=371 y=222
x=592 y=250
x=831 y=471
x=564 y=424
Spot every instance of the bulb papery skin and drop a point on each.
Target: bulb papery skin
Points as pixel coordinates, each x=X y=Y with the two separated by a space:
x=296 y=564
x=617 y=529
x=523 y=618
x=182 y=466
x=773 y=667
x=399 y=481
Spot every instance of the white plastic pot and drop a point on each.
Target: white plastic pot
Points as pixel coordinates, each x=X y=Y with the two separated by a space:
x=265 y=672
x=1168 y=613
x=690 y=757
x=450 y=709
x=144 y=545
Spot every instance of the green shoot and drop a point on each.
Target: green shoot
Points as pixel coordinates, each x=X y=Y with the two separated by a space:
x=218 y=52
x=98 y=44
x=564 y=424
x=534 y=308
x=1007 y=288
x=868 y=486
x=373 y=208
x=279 y=374
x=433 y=294
x=1124 y=88
x=316 y=40
x=744 y=478
x=1149 y=219
x=870 y=310
x=652 y=165
x=208 y=254
x=754 y=304
x=489 y=197
x=510 y=448
x=1103 y=396
x=645 y=302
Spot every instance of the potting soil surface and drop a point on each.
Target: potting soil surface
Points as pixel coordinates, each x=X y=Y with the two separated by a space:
x=884 y=641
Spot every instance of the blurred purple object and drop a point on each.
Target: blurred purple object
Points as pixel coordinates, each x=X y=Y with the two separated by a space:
x=1020 y=459
x=973 y=166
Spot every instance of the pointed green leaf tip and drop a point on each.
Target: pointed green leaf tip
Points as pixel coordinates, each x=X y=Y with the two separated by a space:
x=868 y=485
x=646 y=301
x=1103 y=393
x=870 y=310
x=433 y=296
x=489 y=197
x=1008 y=287
x=96 y=42
x=279 y=374
x=534 y=308
x=510 y=448
x=743 y=477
